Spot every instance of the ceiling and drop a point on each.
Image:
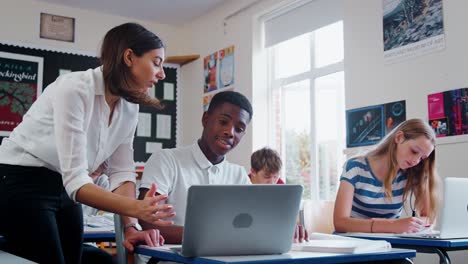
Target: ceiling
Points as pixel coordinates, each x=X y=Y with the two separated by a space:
x=171 y=12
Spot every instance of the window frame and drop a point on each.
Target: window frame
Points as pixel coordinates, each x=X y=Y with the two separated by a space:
x=276 y=85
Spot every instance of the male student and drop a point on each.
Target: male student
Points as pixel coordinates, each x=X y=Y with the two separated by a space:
x=175 y=170
x=265 y=166
x=204 y=162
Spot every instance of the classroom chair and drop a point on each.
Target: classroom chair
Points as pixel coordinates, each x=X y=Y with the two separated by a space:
x=123 y=256
x=319 y=216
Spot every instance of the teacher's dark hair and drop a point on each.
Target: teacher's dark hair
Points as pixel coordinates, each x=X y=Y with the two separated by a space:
x=117 y=75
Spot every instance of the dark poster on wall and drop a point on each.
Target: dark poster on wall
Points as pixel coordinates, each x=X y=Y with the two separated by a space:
x=368 y=125
x=20 y=85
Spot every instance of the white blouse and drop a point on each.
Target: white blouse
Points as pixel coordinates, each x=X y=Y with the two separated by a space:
x=66 y=130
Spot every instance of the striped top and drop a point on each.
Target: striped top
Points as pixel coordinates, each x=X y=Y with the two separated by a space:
x=369 y=199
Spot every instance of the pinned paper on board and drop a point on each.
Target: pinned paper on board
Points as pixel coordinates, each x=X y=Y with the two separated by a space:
x=152 y=147
x=168 y=91
x=163 y=126
x=144 y=125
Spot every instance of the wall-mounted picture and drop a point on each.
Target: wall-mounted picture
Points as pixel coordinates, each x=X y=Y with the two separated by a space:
x=20 y=85
x=448 y=112
x=368 y=125
x=365 y=126
x=226 y=67
x=207 y=98
x=412 y=28
x=395 y=113
x=218 y=70
x=210 y=72
x=57 y=27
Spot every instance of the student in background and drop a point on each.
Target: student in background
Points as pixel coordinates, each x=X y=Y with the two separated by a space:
x=99 y=178
x=265 y=167
x=374 y=187
x=79 y=121
x=91 y=253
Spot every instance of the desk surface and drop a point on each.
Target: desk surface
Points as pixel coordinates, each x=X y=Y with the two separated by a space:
x=448 y=244
x=296 y=256
x=7 y=258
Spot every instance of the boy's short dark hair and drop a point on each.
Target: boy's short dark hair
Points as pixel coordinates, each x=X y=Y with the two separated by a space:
x=231 y=97
x=266 y=159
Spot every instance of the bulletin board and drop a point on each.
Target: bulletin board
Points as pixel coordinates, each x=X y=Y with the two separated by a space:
x=56 y=62
x=161 y=130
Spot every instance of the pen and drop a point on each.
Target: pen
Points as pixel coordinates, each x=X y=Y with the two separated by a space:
x=301 y=217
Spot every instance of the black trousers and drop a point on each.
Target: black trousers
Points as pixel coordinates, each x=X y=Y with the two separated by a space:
x=39 y=221
x=94 y=255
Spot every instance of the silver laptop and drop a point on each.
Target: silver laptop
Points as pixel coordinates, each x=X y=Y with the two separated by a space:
x=454 y=215
x=226 y=220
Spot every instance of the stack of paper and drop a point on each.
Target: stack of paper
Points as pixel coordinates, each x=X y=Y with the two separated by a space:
x=99 y=223
x=339 y=244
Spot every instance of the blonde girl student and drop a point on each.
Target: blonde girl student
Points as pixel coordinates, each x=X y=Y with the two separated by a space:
x=81 y=120
x=374 y=187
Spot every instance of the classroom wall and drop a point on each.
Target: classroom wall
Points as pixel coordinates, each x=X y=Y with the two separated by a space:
x=20 y=20
x=368 y=81
x=205 y=36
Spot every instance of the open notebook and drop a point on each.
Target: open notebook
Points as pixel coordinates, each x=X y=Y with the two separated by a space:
x=339 y=244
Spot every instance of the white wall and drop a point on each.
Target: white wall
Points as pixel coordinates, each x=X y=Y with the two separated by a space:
x=20 y=20
x=368 y=81
x=205 y=36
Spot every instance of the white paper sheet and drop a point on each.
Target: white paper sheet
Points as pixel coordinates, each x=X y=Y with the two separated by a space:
x=169 y=91
x=144 y=125
x=152 y=147
x=163 y=126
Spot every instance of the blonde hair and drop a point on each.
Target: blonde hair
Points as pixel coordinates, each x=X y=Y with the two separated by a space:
x=422 y=179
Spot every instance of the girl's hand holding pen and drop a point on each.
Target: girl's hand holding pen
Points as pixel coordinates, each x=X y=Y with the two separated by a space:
x=409 y=225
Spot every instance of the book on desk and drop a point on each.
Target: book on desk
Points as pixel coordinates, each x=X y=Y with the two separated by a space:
x=339 y=244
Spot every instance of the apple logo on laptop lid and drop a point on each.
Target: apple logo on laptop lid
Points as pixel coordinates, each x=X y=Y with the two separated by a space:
x=242 y=220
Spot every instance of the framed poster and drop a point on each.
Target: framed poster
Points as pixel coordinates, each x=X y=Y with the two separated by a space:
x=412 y=28
x=226 y=67
x=57 y=27
x=365 y=125
x=368 y=125
x=20 y=85
x=448 y=112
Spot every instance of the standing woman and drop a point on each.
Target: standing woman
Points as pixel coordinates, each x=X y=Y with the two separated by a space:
x=81 y=120
x=374 y=187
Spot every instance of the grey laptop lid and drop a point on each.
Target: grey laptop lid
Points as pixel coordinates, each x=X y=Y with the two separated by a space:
x=454 y=218
x=223 y=220
x=454 y=213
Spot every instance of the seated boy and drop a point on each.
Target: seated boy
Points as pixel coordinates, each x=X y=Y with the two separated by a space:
x=265 y=167
x=175 y=170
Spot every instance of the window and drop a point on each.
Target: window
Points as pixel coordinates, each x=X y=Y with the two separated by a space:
x=306 y=108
